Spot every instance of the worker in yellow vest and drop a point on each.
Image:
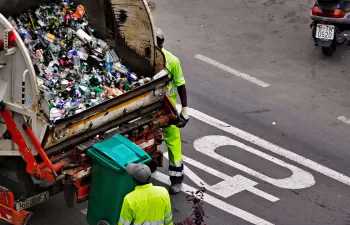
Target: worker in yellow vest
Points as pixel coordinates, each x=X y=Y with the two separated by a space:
x=172 y=133
x=147 y=204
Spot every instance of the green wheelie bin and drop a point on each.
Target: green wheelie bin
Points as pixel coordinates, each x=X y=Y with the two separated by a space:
x=110 y=182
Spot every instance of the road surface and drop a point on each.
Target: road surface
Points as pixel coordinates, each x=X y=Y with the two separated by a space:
x=269 y=132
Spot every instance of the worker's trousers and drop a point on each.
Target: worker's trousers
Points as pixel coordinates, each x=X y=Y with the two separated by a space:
x=172 y=138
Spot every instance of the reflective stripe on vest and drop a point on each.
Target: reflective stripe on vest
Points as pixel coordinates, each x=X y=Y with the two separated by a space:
x=179 y=78
x=124 y=222
x=171 y=88
x=178 y=164
x=168 y=215
x=171 y=91
x=168 y=218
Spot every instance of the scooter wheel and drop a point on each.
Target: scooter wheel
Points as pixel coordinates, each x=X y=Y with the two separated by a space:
x=103 y=222
x=328 y=51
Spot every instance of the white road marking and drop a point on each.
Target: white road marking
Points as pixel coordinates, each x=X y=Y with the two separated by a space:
x=231 y=70
x=226 y=188
x=216 y=202
x=270 y=146
x=298 y=180
x=344 y=119
x=84 y=211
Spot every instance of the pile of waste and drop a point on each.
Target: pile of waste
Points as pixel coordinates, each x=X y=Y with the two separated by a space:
x=75 y=70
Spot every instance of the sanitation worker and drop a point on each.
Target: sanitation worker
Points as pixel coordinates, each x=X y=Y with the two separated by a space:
x=172 y=133
x=147 y=204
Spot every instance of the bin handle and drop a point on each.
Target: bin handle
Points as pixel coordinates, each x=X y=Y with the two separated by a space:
x=142 y=160
x=107 y=157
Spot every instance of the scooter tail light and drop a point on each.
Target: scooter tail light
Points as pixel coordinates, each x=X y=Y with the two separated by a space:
x=336 y=13
x=315 y=11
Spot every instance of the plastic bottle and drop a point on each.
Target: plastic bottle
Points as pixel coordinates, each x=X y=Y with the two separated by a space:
x=55 y=49
x=126 y=86
x=98 y=91
x=76 y=62
x=82 y=35
x=84 y=90
x=56 y=114
x=108 y=63
x=69 y=34
x=120 y=68
x=77 y=93
x=72 y=105
x=40 y=56
x=24 y=33
x=103 y=45
x=82 y=54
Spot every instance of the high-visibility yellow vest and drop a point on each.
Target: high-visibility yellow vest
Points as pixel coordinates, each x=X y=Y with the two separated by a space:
x=146 y=205
x=174 y=67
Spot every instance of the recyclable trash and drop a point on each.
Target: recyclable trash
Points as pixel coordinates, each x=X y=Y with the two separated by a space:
x=75 y=70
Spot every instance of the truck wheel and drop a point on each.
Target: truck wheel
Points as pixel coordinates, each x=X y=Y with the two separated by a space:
x=103 y=222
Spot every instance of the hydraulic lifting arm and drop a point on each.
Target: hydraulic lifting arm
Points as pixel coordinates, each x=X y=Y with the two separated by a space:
x=16 y=136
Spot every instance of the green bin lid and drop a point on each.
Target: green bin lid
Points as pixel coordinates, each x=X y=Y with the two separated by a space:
x=118 y=152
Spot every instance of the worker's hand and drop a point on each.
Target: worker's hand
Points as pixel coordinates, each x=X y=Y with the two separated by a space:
x=184 y=117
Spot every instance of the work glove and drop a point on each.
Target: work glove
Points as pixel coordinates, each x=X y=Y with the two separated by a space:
x=184 y=117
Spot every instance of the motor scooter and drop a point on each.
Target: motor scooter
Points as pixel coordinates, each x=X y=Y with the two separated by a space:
x=330 y=24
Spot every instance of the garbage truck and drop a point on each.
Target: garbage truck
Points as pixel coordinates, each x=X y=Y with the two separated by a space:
x=40 y=158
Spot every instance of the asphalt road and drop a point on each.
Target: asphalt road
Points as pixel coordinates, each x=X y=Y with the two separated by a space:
x=285 y=159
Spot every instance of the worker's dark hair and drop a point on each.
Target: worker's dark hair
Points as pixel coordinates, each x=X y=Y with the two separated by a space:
x=160 y=41
x=139 y=183
x=160 y=37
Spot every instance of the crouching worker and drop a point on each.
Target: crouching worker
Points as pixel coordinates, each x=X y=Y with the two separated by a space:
x=147 y=204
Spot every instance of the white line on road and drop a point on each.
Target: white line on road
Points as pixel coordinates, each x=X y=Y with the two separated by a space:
x=84 y=211
x=344 y=119
x=216 y=202
x=270 y=146
x=231 y=70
